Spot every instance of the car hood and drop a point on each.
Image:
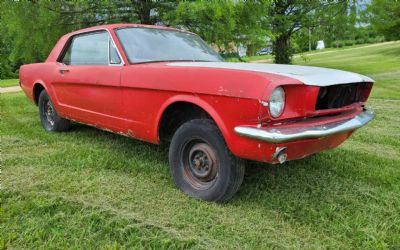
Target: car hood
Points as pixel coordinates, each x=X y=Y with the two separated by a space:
x=315 y=76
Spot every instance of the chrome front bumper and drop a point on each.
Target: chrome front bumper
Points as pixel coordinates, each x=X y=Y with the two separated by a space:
x=278 y=135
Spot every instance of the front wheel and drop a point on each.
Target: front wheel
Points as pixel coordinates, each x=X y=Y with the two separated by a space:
x=49 y=118
x=202 y=165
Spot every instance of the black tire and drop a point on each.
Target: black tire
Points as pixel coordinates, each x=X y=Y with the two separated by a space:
x=202 y=165
x=49 y=118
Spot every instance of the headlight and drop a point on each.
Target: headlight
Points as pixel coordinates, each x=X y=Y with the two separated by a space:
x=276 y=102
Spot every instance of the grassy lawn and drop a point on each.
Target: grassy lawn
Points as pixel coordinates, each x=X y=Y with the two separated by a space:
x=269 y=58
x=92 y=189
x=8 y=83
x=382 y=63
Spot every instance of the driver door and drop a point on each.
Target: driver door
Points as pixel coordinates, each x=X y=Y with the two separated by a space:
x=88 y=85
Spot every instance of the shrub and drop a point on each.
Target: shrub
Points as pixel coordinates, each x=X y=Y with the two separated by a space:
x=380 y=39
x=349 y=42
x=337 y=44
x=360 y=41
x=229 y=55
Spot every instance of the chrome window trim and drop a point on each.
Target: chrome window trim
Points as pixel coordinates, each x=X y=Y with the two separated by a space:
x=122 y=63
x=62 y=54
x=109 y=53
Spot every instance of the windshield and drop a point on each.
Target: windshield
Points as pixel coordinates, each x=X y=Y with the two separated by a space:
x=153 y=45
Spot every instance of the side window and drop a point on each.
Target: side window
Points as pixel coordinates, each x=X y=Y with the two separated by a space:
x=88 y=49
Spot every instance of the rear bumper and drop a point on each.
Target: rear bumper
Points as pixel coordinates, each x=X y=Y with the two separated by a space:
x=293 y=133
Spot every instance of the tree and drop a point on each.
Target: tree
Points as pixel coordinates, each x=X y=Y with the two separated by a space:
x=213 y=20
x=224 y=23
x=384 y=16
x=33 y=27
x=30 y=30
x=91 y=12
x=251 y=25
x=151 y=11
x=5 y=69
x=336 y=25
x=288 y=17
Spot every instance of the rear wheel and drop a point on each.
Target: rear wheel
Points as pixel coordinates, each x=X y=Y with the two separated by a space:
x=201 y=163
x=49 y=118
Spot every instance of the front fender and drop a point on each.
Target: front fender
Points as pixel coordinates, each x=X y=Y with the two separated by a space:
x=196 y=100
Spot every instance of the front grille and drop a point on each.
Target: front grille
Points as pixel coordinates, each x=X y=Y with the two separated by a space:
x=337 y=96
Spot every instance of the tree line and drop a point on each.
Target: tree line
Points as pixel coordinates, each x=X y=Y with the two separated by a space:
x=30 y=28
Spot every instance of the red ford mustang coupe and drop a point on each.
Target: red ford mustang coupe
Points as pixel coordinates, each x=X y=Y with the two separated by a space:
x=161 y=84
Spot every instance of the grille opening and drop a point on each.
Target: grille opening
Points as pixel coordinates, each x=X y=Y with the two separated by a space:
x=338 y=96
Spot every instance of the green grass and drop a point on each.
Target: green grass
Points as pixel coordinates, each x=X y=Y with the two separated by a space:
x=92 y=189
x=382 y=63
x=269 y=58
x=8 y=83
x=254 y=58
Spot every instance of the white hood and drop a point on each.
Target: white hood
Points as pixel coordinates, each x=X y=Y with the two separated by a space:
x=315 y=76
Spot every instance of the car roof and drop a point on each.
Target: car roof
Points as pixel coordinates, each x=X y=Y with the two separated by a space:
x=121 y=25
x=109 y=27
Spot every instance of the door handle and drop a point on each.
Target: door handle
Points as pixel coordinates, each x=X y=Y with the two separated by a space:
x=62 y=71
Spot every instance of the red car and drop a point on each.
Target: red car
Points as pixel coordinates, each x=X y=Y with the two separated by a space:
x=160 y=84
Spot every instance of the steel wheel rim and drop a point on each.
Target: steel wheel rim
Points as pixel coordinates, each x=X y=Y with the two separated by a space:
x=200 y=164
x=49 y=112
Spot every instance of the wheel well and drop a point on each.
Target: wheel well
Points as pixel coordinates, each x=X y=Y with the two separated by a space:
x=177 y=114
x=36 y=92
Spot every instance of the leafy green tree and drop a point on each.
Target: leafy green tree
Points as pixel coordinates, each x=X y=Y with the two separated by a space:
x=30 y=30
x=91 y=12
x=213 y=20
x=384 y=16
x=224 y=23
x=332 y=24
x=151 y=11
x=251 y=25
x=5 y=63
x=5 y=69
x=290 y=16
x=35 y=26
